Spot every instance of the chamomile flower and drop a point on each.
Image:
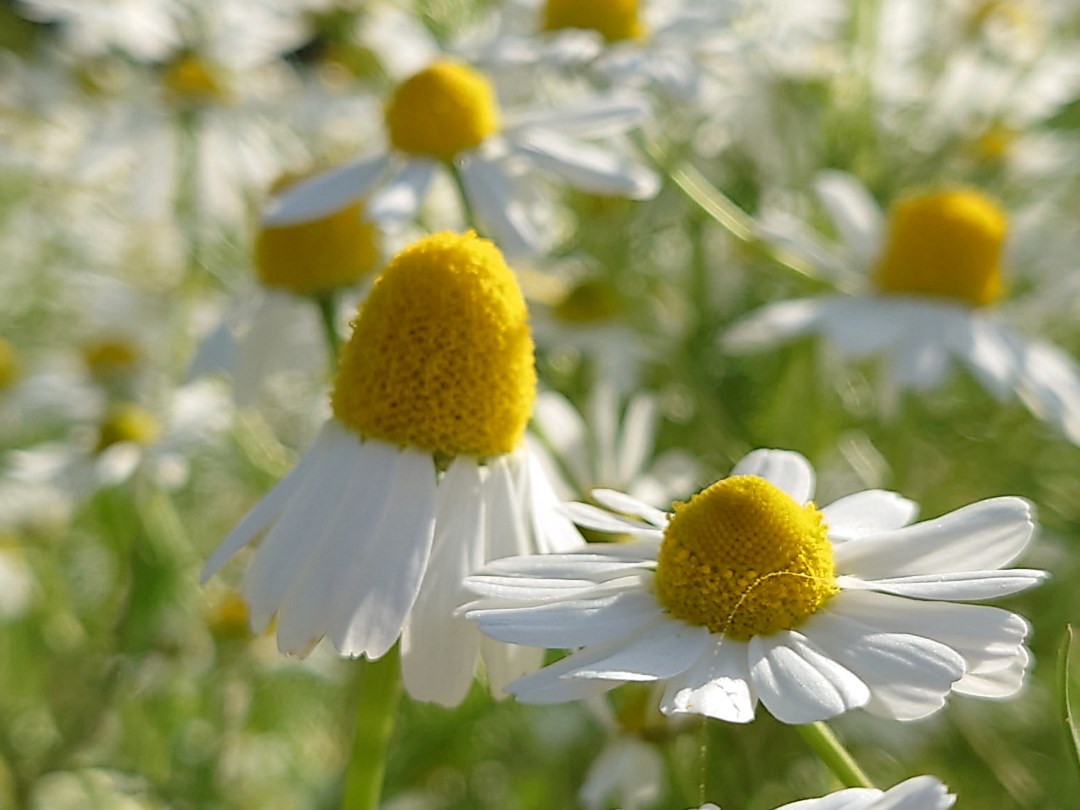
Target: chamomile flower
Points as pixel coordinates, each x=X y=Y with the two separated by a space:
x=447 y=115
x=420 y=476
x=917 y=793
x=924 y=284
x=146 y=30
x=751 y=593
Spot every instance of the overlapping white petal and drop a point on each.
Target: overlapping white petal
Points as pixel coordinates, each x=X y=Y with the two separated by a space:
x=917 y=793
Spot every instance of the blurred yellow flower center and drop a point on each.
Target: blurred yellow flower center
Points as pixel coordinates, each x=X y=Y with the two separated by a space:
x=989 y=12
x=9 y=365
x=993 y=144
x=441 y=357
x=191 y=80
x=946 y=244
x=744 y=559
x=127 y=422
x=229 y=619
x=614 y=19
x=591 y=301
x=317 y=256
x=442 y=111
x=110 y=357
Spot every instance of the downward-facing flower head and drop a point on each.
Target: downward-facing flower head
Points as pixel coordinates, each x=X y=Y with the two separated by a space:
x=750 y=592
x=420 y=476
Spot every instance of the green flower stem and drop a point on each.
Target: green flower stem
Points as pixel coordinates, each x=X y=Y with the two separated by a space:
x=380 y=693
x=326 y=302
x=832 y=752
x=463 y=195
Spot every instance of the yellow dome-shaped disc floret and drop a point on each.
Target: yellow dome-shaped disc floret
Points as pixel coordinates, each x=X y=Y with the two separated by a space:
x=318 y=256
x=946 y=243
x=744 y=559
x=128 y=422
x=10 y=369
x=615 y=20
x=192 y=80
x=442 y=111
x=441 y=357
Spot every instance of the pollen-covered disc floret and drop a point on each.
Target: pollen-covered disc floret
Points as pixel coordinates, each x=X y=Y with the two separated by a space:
x=946 y=243
x=441 y=357
x=442 y=111
x=744 y=559
x=615 y=20
x=313 y=257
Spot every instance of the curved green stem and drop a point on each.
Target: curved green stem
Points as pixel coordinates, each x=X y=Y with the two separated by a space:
x=463 y=195
x=326 y=302
x=380 y=693
x=832 y=752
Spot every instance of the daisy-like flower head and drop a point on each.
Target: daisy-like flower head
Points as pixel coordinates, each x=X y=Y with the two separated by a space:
x=750 y=592
x=447 y=114
x=420 y=476
x=923 y=281
x=917 y=793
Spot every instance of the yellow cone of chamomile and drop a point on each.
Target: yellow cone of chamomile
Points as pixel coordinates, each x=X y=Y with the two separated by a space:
x=420 y=476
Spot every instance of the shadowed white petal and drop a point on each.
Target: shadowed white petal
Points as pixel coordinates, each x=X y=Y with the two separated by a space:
x=788 y=471
x=991 y=355
x=919 y=362
x=637 y=437
x=267 y=510
x=774 y=324
x=593 y=561
x=717 y=685
x=1002 y=680
x=595 y=118
x=867 y=512
x=627 y=767
x=909 y=676
x=505 y=663
x=855 y=213
x=378 y=591
x=552 y=530
x=982 y=536
x=499 y=209
x=963 y=586
x=401 y=197
x=621 y=502
x=555 y=684
x=850 y=799
x=438 y=649
x=917 y=793
x=663 y=650
x=860 y=326
x=587 y=167
x=326 y=193
x=590 y=517
x=800 y=684
x=563 y=429
x=503 y=513
x=1050 y=385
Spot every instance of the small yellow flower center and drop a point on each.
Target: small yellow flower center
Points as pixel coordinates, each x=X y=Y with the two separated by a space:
x=948 y=244
x=993 y=145
x=591 y=301
x=441 y=357
x=10 y=368
x=615 y=20
x=442 y=111
x=318 y=256
x=109 y=358
x=229 y=619
x=744 y=559
x=127 y=422
x=191 y=80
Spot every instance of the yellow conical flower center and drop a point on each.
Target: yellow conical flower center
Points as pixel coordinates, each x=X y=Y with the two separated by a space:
x=442 y=111
x=591 y=301
x=615 y=20
x=10 y=369
x=317 y=256
x=947 y=244
x=110 y=357
x=744 y=559
x=191 y=80
x=127 y=422
x=441 y=357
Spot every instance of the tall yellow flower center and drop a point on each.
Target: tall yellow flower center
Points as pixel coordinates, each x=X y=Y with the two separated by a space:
x=10 y=368
x=442 y=111
x=441 y=357
x=128 y=422
x=615 y=20
x=744 y=559
x=192 y=80
x=109 y=358
x=317 y=256
x=948 y=244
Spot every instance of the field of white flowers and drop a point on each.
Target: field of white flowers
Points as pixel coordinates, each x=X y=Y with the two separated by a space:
x=359 y=358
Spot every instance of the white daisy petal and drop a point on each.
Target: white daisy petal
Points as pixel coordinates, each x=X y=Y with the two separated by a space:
x=586 y=167
x=788 y=471
x=505 y=663
x=637 y=437
x=400 y=199
x=590 y=517
x=595 y=118
x=620 y=502
x=563 y=429
x=919 y=362
x=717 y=685
x=503 y=518
x=326 y=193
x=961 y=586
x=867 y=512
x=773 y=325
x=552 y=530
x=917 y=793
x=800 y=684
x=855 y=213
x=850 y=799
x=555 y=684
x=992 y=356
x=661 y=651
x=983 y=536
x=498 y=208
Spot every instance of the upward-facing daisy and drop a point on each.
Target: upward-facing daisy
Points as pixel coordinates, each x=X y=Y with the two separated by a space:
x=420 y=476
x=750 y=592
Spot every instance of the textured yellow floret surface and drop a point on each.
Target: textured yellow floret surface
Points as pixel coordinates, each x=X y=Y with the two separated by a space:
x=442 y=111
x=615 y=20
x=441 y=357
x=318 y=256
x=946 y=243
x=744 y=559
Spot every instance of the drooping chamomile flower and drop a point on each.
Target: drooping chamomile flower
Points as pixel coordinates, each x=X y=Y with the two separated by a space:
x=925 y=281
x=750 y=592
x=420 y=476
x=448 y=115
x=917 y=793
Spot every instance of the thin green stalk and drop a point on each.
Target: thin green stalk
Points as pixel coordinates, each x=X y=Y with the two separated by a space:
x=832 y=752
x=463 y=195
x=326 y=302
x=380 y=693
